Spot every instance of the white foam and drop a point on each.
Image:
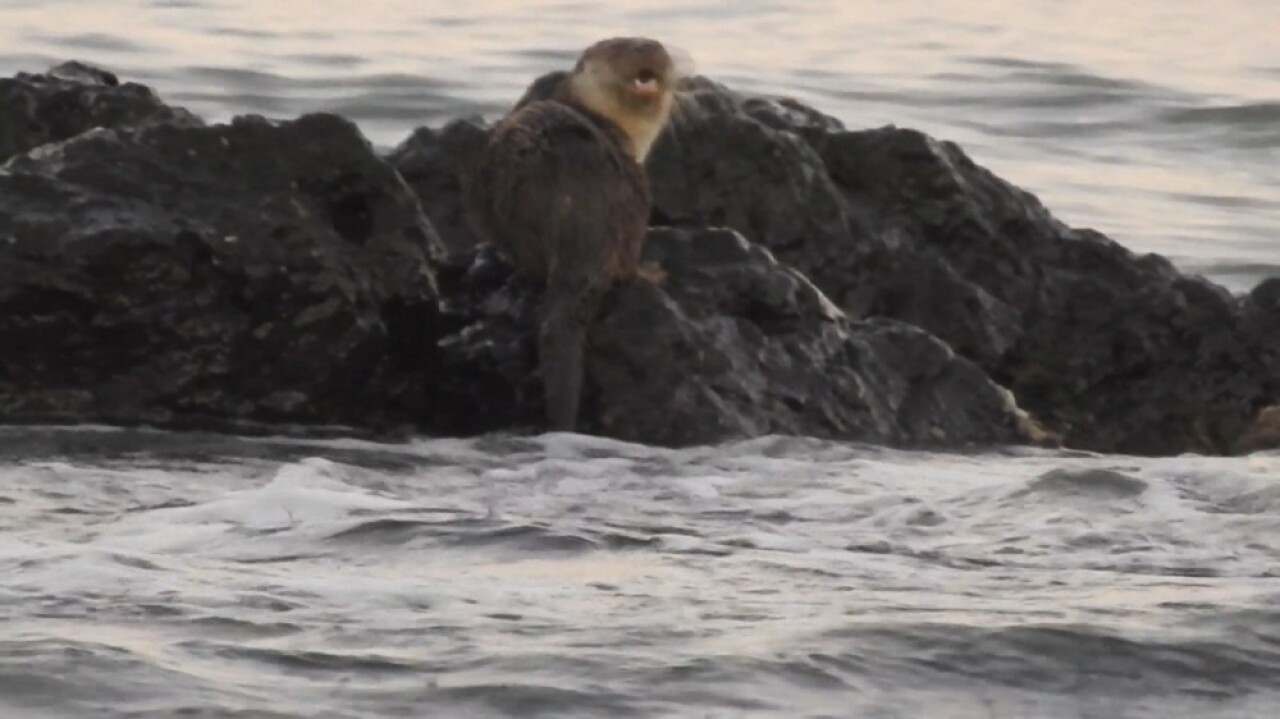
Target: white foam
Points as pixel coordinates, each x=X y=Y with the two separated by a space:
x=731 y=543
x=303 y=492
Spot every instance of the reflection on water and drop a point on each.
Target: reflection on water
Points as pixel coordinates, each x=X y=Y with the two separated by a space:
x=1156 y=121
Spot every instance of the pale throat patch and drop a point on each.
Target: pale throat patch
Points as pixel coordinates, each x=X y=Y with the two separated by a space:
x=592 y=88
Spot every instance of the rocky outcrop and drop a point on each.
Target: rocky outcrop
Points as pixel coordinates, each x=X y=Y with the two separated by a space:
x=1116 y=351
x=73 y=98
x=730 y=344
x=433 y=163
x=155 y=270
x=246 y=272
x=721 y=165
x=1262 y=324
x=735 y=344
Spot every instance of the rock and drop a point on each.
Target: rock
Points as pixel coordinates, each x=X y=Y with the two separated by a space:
x=156 y=270
x=484 y=367
x=73 y=98
x=899 y=272
x=1116 y=351
x=732 y=344
x=433 y=162
x=1262 y=324
x=787 y=114
x=176 y=274
x=1119 y=352
x=718 y=165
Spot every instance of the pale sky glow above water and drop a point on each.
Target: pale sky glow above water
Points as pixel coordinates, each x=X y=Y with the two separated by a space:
x=1220 y=50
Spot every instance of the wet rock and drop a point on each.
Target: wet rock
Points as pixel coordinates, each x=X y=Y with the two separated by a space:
x=731 y=344
x=157 y=270
x=1262 y=324
x=725 y=161
x=1117 y=351
x=72 y=98
x=177 y=275
x=433 y=162
x=788 y=114
x=484 y=377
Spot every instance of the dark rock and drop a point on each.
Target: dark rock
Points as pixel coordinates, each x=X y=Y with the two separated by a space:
x=73 y=98
x=1117 y=351
x=155 y=270
x=731 y=344
x=790 y=115
x=80 y=73
x=251 y=271
x=433 y=162
x=484 y=377
x=855 y=211
x=926 y=264
x=717 y=165
x=1262 y=324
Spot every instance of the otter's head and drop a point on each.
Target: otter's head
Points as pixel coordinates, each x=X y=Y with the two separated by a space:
x=629 y=80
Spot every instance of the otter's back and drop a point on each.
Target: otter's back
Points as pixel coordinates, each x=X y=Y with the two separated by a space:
x=556 y=191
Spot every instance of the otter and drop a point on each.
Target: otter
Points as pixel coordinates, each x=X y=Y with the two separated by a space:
x=560 y=188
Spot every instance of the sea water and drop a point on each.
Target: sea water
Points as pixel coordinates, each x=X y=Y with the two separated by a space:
x=150 y=574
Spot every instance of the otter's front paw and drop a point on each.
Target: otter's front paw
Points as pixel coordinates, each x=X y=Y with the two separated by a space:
x=651 y=272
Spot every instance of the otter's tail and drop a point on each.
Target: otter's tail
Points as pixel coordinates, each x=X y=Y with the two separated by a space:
x=566 y=314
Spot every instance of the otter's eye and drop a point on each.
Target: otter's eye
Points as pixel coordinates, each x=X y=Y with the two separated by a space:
x=646 y=75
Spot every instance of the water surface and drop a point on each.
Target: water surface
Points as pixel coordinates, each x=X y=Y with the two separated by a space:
x=158 y=575
x=162 y=575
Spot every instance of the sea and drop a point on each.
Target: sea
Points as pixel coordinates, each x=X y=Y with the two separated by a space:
x=151 y=574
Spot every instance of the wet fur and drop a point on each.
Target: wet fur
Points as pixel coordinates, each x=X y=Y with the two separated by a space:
x=640 y=125
x=559 y=192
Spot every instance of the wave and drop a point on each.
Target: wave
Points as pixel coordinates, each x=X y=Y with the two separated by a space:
x=1252 y=114
x=1062 y=658
x=1252 y=125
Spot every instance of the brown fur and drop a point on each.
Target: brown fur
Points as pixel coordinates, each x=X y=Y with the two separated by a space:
x=560 y=189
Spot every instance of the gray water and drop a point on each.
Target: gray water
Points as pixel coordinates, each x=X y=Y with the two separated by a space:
x=158 y=575
x=145 y=574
